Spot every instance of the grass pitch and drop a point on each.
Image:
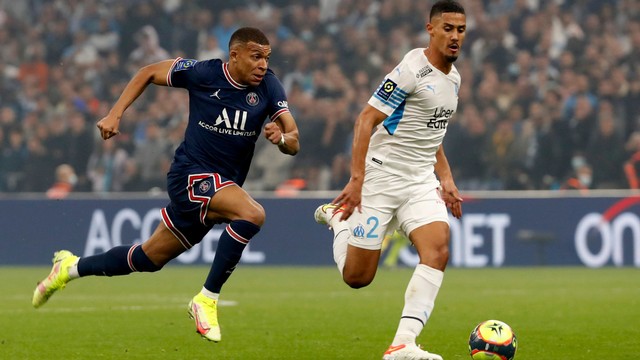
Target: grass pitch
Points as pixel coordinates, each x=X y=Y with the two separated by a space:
x=308 y=313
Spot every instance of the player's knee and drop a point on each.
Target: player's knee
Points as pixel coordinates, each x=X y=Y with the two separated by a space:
x=142 y=263
x=437 y=257
x=255 y=214
x=442 y=250
x=442 y=254
x=151 y=267
x=356 y=281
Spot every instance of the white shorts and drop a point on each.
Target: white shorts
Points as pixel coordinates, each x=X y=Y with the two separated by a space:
x=390 y=202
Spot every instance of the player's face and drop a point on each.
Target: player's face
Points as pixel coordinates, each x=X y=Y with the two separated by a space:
x=447 y=34
x=251 y=62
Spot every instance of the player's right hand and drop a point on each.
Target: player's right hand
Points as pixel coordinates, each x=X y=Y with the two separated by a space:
x=108 y=127
x=350 y=199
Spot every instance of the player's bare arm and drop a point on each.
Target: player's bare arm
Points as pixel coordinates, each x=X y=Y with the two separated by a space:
x=155 y=73
x=450 y=193
x=351 y=196
x=284 y=133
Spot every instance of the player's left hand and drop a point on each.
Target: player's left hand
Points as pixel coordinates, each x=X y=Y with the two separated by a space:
x=451 y=196
x=273 y=133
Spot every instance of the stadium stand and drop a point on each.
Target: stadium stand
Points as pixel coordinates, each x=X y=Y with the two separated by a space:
x=545 y=84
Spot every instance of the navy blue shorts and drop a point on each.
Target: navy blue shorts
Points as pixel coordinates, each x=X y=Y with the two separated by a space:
x=190 y=190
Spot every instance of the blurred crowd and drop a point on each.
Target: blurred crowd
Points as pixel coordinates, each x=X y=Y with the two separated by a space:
x=550 y=94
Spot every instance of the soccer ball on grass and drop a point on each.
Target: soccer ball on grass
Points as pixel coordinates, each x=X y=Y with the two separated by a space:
x=492 y=340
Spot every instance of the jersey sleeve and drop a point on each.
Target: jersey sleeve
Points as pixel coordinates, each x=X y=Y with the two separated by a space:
x=394 y=89
x=184 y=72
x=278 y=100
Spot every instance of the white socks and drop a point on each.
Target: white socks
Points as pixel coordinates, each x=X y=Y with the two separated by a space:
x=341 y=234
x=73 y=270
x=419 y=299
x=209 y=294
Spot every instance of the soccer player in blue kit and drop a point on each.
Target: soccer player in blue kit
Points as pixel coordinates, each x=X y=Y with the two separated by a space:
x=228 y=105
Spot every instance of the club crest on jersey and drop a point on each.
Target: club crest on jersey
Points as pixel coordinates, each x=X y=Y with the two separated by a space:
x=184 y=64
x=204 y=186
x=386 y=89
x=252 y=99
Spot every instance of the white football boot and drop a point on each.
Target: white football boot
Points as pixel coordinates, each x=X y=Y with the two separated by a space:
x=408 y=352
x=325 y=212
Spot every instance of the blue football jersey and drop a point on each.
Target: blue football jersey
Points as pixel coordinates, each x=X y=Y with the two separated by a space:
x=225 y=117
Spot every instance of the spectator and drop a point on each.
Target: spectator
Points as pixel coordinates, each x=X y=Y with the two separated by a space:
x=105 y=38
x=632 y=165
x=557 y=61
x=79 y=146
x=552 y=150
x=34 y=66
x=152 y=157
x=107 y=168
x=148 y=51
x=37 y=168
x=580 y=180
x=499 y=154
x=14 y=155
x=581 y=123
x=66 y=179
x=607 y=165
x=469 y=131
x=226 y=26
x=211 y=49
x=81 y=52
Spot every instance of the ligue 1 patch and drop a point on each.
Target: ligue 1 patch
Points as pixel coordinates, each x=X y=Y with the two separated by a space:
x=252 y=99
x=184 y=64
x=386 y=89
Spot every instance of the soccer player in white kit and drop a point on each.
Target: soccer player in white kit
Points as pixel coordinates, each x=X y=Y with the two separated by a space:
x=400 y=177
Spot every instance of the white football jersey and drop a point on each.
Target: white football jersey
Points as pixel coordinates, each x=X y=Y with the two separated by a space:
x=419 y=101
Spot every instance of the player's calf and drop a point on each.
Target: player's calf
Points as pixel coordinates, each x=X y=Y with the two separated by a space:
x=120 y=260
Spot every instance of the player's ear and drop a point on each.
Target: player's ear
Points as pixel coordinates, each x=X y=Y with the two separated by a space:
x=234 y=52
x=430 y=28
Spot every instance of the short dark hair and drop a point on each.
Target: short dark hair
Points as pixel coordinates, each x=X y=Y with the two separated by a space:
x=446 y=6
x=248 y=34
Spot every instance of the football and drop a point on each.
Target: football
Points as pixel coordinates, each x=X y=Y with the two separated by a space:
x=492 y=340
